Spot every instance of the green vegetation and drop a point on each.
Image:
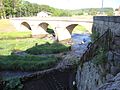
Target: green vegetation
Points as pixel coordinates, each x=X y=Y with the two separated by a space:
x=14 y=35
x=21 y=8
x=48 y=48
x=29 y=62
x=93 y=11
x=50 y=31
x=13 y=84
x=13 y=62
x=7 y=46
x=10 y=61
x=26 y=63
x=101 y=57
x=94 y=35
x=79 y=29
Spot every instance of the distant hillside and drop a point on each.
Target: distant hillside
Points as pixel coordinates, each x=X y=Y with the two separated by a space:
x=93 y=11
x=19 y=8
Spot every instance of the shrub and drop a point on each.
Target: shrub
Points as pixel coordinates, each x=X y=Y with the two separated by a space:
x=48 y=49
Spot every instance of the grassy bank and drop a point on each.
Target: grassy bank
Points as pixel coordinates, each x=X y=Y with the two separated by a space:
x=26 y=63
x=14 y=35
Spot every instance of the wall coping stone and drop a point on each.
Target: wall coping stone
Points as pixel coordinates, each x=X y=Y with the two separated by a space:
x=115 y=19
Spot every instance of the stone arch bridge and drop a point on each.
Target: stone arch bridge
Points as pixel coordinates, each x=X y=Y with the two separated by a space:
x=62 y=26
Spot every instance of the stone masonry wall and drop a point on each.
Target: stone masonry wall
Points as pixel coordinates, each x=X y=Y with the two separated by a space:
x=90 y=76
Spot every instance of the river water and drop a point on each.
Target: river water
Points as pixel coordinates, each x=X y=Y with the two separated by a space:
x=80 y=43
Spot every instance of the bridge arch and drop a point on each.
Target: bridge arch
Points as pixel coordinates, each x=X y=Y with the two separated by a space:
x=48 y=28
x=71 y=27
x=25 y=26
x=43 y=25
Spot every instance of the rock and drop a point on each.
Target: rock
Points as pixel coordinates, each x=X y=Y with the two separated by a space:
x=114 y=70
x=110 y=56
x=113 y=85
x=109 y=76
x=117 y=77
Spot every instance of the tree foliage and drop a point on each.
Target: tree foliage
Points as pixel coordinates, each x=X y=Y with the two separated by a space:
x=21 y=8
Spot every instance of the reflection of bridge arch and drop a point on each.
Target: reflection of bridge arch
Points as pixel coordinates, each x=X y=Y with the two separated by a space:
x=25 y=26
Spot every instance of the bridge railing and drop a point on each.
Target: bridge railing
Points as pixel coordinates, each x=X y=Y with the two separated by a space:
x=103 y=40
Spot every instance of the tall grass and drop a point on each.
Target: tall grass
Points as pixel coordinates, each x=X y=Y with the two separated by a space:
x=26 y=63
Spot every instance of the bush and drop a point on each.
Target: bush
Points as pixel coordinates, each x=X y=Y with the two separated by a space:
x=48 y=49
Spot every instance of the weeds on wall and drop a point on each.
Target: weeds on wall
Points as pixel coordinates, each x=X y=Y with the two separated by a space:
x=101 y=56
x=94 y=35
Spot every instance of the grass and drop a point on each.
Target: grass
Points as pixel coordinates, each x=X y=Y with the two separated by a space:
x=23 y=63
x=7 y=46
x=14 y=35
x=26 y=63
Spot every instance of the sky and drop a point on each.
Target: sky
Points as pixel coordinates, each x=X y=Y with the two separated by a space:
x=78 y=4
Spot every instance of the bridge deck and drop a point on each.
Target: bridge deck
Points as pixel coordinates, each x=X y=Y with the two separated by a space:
x=68 y=19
